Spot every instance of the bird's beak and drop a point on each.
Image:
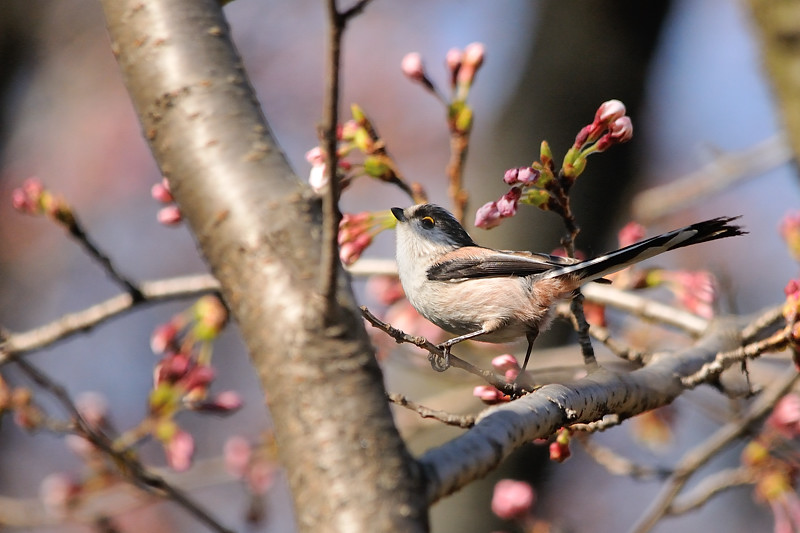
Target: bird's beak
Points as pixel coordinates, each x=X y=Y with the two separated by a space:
x=398 y=214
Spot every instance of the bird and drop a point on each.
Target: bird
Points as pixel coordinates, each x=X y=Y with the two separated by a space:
x=499 y=296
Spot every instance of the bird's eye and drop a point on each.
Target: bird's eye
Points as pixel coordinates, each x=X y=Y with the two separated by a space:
x=427 y=222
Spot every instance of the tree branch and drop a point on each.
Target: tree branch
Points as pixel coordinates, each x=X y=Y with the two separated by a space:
x=82 y=321
x=502 y=428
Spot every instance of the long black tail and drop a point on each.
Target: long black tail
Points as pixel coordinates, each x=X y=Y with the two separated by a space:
x=709 y=230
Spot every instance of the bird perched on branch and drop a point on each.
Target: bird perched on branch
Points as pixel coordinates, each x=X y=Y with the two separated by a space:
x=499 y=296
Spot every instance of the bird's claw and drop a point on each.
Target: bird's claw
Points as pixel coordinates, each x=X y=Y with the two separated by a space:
x=440 y=363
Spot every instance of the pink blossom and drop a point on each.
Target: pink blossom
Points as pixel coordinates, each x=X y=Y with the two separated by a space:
x=695 y=290
x=385 y=289
x=28 y=198
x=785 y=416
x=223 y=403
x=471 y=61
x=164 y=337
x=489 y=394
x=507 y=204
x=453 y=60
x=790 y=231
x=179 y=450
x=169 y=215
x=93 y=407
x=621 y=130
x=160 y=191
x=523 y=175
x=57 y=492
x=412 y=67
x=610 y=111
x=512 y=499
x=260 y=477
x=487 y=216
x=506 y=365
x=631 y=233
x=237 y=454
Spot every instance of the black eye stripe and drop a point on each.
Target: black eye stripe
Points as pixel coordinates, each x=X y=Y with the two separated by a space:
x=444 y=221
x=428 y=222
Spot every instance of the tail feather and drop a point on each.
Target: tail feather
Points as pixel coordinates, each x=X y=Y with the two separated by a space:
x=709 y=230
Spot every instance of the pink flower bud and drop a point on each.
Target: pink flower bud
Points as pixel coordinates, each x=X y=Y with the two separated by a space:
x=160 y=191
x=169 y=215
x=609 y=111
x=487 y=216
x=179 y=451
x=621 y=129
x=507 y=204
x=631 y=233
x=489 y=394
x=237 y=454
x=385 y=289
x=223 y=403
x=512 y=499
x=164 y=337
x=506 y=365
x=57 y=493
x=93 y=407
x=785 y=416
x=453 y=60
x=315 y=156
x=471 y=62
x=260 y=477
x=412 y=67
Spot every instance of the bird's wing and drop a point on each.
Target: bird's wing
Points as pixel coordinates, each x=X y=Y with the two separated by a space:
x=483 y=263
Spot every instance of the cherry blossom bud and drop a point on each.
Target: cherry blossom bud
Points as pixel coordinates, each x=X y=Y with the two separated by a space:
x=512 y=499
x=487 y=216
x=489 y=394
x=160 y=191
x=621 y=130
x=385 y=289
x=412 y=67
x=210 y=316
x=237 y=454
x=790 y=231
x=164 y=337
x=179 y=451
x=471 y=62
x=260 y=477
x=58 y=492
x=559 y=448
x=223 y=403
x=507 y=204
x=169 y=215
x=28 y=198
x=522 y=175
x=609 y=111
x=631 y=233
x=506 y=365
x=785 y=416
x=93 y=407
x=453 y=60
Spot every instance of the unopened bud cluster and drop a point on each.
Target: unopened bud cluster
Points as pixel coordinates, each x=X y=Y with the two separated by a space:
x=543 y=186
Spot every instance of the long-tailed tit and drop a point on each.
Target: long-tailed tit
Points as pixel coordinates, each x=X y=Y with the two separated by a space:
x=499 y=296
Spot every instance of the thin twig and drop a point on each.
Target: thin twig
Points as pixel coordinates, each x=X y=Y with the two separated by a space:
x=717 y=175
x=702 y=453
x=330 y=262
x=77 y=231
x=451 y=419
x=129 y=467
x=511 y=389
x=14 y=344
x=709 y=487
x=776 y=342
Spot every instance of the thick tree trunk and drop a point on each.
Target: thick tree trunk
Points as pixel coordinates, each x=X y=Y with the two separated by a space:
x=259 y=229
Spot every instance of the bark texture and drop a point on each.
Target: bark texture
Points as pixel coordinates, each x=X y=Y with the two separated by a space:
x=259 y=229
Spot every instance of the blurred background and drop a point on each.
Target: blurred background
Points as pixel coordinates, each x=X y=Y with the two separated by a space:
x=689 y=72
